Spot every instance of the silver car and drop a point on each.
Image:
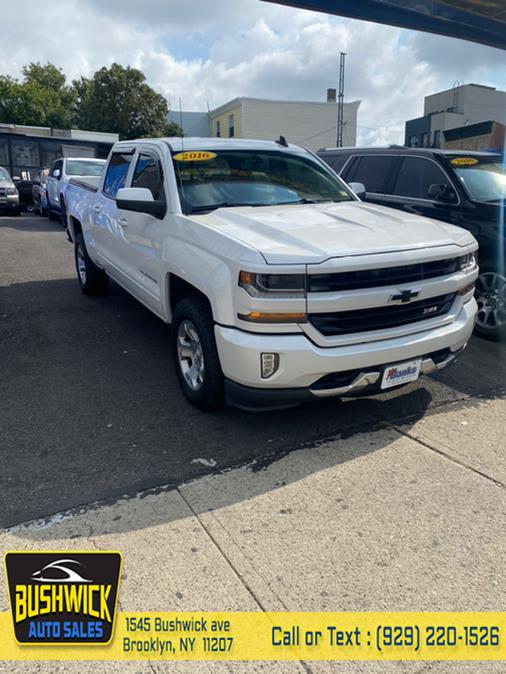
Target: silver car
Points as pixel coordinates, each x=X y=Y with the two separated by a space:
x=9 y=195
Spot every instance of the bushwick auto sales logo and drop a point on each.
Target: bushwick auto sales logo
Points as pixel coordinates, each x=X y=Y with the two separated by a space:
x=63 y=597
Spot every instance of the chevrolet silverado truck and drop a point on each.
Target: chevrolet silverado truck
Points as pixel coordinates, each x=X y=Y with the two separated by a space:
x=280 y=285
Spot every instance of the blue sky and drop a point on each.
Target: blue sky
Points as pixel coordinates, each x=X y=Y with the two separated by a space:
x=205 y=51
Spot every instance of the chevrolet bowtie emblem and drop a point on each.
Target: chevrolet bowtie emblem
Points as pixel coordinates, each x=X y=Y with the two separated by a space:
x=405 y=296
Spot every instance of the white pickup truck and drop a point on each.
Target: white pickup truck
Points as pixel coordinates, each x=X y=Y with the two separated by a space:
x=60 y=173
x=280 y=284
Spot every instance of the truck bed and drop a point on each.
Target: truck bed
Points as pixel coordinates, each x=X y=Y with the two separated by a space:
x=88 y=183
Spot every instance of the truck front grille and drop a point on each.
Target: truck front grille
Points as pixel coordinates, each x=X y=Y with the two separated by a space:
x=381 y=318
x=374 y=278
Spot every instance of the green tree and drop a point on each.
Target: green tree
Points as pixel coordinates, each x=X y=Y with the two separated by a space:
x=47 y=76
x=117 y=99
x=174 y=129
x=21 y=104
x=41 y=99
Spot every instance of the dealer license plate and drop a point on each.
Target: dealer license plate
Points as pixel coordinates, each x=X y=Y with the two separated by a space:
x=401 y=373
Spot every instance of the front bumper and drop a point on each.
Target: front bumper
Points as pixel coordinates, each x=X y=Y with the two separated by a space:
x=9 y=204
x=308 y=372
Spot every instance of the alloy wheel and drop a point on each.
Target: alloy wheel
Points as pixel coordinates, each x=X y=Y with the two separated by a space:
x=190 y=355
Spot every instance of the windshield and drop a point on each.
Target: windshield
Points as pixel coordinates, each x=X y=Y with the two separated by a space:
x=210 y=180
x=485 y=180
x=4 y=175
x=84 y=168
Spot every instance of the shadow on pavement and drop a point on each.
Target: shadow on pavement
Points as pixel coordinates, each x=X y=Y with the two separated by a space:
x=92 y=410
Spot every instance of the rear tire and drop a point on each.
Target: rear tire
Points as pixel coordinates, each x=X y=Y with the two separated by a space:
x=92 y=279
x=196 y=357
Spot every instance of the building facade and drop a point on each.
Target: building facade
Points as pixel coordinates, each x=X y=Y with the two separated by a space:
x=310 y=124
x=193 y=123
x=457 y=107
x=25 y=150
x=484 y=136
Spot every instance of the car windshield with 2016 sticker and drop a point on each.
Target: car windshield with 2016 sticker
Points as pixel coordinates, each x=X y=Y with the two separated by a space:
x=245 y=178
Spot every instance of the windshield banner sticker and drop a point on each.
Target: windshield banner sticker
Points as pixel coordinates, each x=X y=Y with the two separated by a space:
x=195 y=155
x=464 y=161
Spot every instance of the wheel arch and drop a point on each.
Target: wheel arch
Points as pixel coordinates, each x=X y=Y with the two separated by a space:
x=177 y=289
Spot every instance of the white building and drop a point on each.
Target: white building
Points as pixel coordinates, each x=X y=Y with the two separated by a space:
x=310 y=124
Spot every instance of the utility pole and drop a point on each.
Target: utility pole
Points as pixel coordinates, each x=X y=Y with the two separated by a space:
x=340 y=100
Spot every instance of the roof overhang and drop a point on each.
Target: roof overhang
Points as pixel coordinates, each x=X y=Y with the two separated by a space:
x=473 y=20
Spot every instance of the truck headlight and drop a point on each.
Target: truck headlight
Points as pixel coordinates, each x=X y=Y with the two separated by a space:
x=11 y=191
x=467 y=262
x=273 y=285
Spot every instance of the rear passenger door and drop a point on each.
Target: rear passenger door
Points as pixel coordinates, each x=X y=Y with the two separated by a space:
x=106 y=231
x=142 y=233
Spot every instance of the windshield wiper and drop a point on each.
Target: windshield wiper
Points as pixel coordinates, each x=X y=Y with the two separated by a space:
x=303 y=201
x=213 y=207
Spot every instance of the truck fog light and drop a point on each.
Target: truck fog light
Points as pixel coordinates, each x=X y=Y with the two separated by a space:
x=269 y=364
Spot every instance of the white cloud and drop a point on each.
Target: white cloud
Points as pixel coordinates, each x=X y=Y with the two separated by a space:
x=258 y=49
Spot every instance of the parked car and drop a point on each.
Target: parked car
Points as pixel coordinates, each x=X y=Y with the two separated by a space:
x=39 y=192
x=25 y=189
x=61 y=171
x=280 y=285
x=9 y=195
x=464 y=188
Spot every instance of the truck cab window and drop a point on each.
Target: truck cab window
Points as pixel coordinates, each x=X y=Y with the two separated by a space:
x=148 y=174
x=116 y=173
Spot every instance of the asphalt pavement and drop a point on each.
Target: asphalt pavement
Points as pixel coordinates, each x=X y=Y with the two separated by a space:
x=91 y=409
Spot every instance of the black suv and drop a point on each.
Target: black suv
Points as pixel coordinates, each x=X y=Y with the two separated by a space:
x=462 y=188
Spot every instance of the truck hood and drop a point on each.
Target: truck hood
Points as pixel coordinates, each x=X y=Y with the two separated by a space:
x=6 y=183
x=312 y=233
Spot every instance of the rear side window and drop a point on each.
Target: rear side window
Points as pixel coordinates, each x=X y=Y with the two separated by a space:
x=148 y=174
x=415 y=177
x=372 y=171
x=116 y=173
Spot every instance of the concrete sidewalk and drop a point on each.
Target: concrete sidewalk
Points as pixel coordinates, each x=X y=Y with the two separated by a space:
x=402 y=518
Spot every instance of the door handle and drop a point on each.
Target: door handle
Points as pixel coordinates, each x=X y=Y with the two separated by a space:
x=122 y=222
x=97 y=209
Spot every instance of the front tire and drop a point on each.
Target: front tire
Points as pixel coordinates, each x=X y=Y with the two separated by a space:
x=194 y=347
x=491 y=299
x=92 y=279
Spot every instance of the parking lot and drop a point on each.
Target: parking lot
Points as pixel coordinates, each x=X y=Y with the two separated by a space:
x=91 y=409
x=393 y=502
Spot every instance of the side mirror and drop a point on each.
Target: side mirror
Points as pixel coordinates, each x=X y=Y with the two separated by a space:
x=443 y=193
x=57 y=174
x=140 y=200
x=359 y=189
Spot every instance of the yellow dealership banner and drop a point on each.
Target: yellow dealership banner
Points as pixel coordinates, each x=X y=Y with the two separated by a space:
x=281 y=636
